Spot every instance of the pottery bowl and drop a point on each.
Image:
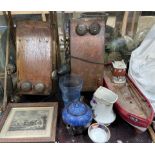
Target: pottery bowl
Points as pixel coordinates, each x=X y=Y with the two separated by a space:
x=98 y=133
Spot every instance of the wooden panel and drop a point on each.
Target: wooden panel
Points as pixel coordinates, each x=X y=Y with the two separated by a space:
x=118 y=24
x=34 y=48
x=130 y=23
x=86 y=52
x=26 y=12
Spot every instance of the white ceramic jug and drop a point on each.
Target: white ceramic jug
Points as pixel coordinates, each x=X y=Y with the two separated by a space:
x=102 y=104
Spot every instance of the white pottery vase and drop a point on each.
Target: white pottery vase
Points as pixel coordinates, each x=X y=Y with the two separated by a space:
x=102 y=104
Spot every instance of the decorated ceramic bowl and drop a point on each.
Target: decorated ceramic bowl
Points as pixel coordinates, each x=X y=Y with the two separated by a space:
x=99 y=133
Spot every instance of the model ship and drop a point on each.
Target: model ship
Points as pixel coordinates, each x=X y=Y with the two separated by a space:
x=131 y=105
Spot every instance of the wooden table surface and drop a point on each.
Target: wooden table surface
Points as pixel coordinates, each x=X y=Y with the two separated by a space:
x=120 y=130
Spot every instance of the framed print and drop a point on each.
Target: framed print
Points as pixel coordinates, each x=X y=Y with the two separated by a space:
x=29 y=122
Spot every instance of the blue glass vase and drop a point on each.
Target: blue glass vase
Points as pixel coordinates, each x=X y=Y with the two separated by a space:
x=70 y=86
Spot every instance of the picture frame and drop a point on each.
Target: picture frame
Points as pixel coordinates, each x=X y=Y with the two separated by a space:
x=29 y=122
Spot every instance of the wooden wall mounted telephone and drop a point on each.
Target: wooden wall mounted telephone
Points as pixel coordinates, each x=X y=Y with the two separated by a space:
x=34 y=57
x=87 y=37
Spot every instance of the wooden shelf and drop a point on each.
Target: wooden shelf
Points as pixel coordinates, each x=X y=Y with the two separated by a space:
x=26 y=12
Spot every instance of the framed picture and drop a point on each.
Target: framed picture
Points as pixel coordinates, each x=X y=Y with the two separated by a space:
x=29 y=122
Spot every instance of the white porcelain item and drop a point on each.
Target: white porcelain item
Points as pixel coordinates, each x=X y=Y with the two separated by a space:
x=102 y=104
x=105 y=95
x=98 y=133
x=104 y=114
